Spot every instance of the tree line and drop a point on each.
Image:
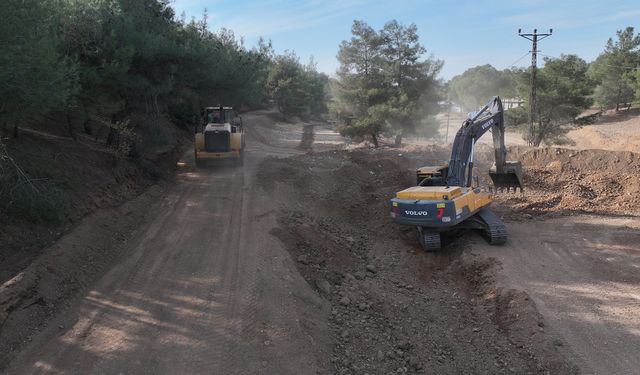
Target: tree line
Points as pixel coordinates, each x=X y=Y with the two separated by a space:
x=106 y=60
x=566 y=86
x=125 y=71
x=386 y=87
x=109 y=59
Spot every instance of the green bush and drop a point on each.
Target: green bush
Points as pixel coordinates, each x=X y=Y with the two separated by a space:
x=28 y=199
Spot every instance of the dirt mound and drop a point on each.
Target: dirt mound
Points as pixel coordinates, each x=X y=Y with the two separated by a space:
x=395 y=308
x=616 y=131
x=563 y=181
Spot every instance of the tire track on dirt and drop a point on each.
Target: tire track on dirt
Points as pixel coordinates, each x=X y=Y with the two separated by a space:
x=186 y=299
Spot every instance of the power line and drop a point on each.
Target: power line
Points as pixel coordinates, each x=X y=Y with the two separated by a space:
x=518 y=60
x=534 y=37
x=553 y=57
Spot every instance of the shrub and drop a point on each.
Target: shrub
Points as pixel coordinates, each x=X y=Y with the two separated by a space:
x=29 y=199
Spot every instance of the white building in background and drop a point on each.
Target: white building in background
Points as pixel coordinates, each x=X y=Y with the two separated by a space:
x=510 y=103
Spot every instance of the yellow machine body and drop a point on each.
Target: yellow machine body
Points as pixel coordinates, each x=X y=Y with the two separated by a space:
x=464 y=199
x=236 y=147
x=220 y=136
x=445 y=197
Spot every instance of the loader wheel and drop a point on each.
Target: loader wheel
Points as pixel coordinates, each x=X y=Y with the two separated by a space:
x=429 y=240
x=240 y=160
x=198 y=162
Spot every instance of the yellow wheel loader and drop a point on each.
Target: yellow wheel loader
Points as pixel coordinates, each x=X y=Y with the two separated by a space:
x=220 y=136
x=446 y=199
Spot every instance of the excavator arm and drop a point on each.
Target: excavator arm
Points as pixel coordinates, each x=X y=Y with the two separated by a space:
x=504 y=174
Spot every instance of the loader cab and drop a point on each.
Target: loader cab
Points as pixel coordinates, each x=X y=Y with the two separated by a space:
x=222 y=115
x=218 y=115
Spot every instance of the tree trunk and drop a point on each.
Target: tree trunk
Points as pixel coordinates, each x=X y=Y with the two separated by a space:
x=87 y=127
x=281 y=110
x=70 y=128
x=111 y=137
x=374 y=137
x=15 y=131
x=537 y=140
x=86 y=124
x=617 y=107
x=539 y=135
x=398 y=141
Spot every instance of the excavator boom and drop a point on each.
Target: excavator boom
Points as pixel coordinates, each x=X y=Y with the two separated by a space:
x=504 y=174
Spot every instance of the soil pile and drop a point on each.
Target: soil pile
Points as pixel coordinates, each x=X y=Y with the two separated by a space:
x=394 y=308
x=563 y=182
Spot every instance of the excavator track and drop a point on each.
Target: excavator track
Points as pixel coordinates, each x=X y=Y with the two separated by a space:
x=430 y=240
x=494 y=228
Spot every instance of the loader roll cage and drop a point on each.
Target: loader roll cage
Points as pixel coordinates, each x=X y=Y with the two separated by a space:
x=218 y=115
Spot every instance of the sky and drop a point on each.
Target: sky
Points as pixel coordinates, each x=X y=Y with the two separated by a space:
x=462 y=33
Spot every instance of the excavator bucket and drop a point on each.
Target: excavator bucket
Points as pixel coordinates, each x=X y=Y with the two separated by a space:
x=510 y=176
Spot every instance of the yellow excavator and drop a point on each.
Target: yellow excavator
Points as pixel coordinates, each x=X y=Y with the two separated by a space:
x=220 y=136
x=446 y=199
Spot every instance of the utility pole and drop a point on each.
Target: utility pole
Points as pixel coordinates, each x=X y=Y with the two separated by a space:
x=534 y=37
x=448 y=117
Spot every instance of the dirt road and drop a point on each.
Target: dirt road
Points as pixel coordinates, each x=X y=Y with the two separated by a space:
x=582 y=272
x=290 y=265
x=197 y=291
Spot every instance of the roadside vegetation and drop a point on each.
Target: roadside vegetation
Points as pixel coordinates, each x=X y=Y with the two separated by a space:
x=128 y=78
x=385 y=85
x=566 y=86
x=130 y=74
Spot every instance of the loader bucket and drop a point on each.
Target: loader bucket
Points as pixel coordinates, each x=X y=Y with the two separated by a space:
x=510 y=177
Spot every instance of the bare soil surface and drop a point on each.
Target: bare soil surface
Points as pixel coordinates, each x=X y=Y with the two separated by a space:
x=582 y=273
x=202 y=287
x=290 y=265
x=92 y=179
x=574 y=249
x=615 y=131
x=395 y=309
x=90 y=176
